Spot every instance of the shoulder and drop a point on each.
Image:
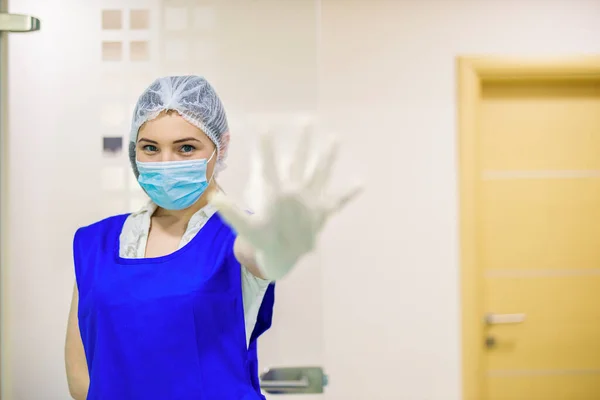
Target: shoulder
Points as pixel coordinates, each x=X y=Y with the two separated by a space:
x=120 y=218
x=92 y=240
x=101 y=228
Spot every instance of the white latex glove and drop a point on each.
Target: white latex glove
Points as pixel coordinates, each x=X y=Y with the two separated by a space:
x=289 y=212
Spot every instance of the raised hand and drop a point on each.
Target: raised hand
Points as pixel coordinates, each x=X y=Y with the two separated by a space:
x=292 y=208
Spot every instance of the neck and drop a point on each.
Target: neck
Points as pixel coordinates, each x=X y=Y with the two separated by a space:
x=186 y=214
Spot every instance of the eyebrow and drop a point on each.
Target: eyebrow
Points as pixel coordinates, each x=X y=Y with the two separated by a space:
x=188 y=139
x=147 y=140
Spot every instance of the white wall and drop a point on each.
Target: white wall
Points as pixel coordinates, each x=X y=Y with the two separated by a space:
x=387 y=86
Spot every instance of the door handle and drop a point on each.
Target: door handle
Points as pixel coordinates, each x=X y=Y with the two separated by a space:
x=499 y=319
x=293 y=380
x=18 y=23
x=301 y=383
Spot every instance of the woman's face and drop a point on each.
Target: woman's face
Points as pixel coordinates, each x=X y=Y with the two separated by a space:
x=169 y=137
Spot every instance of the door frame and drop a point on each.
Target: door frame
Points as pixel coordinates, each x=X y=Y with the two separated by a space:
x=4 y=211
x=472 y=72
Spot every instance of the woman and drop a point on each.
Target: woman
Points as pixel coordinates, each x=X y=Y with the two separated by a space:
x=169 y=301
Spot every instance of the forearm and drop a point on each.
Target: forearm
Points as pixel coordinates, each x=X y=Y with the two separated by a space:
x=77 y=372
x=78 y=390
x=78 y=377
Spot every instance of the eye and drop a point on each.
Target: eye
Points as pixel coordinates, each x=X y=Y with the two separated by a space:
x=187 y=148
x=150 y=148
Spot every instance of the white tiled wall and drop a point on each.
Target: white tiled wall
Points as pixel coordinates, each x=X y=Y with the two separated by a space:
x=86 y=69
x=252 y=51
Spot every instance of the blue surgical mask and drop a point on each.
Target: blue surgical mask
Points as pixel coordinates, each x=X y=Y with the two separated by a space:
x=174 y=185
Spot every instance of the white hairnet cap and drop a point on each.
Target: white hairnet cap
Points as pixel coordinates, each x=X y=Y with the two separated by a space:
x=195 y=100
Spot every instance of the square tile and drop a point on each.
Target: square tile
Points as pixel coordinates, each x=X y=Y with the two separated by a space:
x=205 y=50
x=139 y=19
x=139 y=51
x=176 y=18
x=113 y=115
x=112 y=145
x=204 y=18
x=176 y=51
x=112 y=19
x=112 y=51
x=113 y=179
x=111 y=84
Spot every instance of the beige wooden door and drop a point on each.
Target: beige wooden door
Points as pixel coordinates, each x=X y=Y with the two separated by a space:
x=538 y=239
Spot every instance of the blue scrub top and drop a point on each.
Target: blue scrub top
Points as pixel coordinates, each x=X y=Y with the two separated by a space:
x=170 y=327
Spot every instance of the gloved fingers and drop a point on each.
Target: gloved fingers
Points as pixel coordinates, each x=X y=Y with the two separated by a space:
x=269 y=165
x=322 y=172
x=299 y=164
x=341 y=201
x=239 y=220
